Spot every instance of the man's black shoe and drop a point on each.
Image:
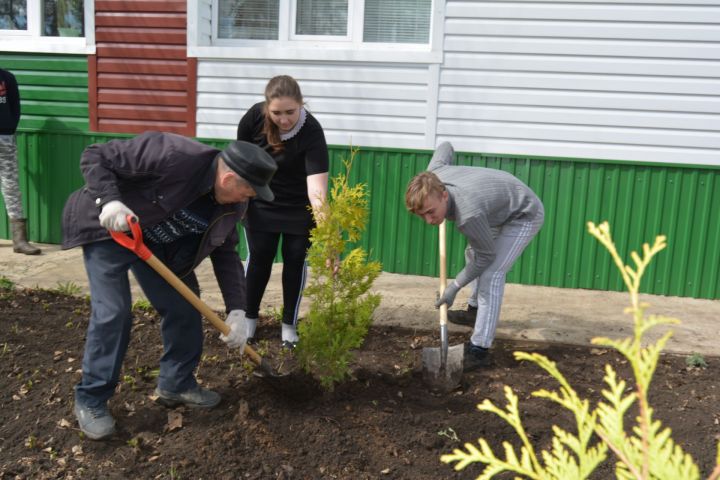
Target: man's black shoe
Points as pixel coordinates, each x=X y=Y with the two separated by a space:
x=463 y=317
x=475 y=357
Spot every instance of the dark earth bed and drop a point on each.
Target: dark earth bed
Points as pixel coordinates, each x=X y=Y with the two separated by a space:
x=382 y=423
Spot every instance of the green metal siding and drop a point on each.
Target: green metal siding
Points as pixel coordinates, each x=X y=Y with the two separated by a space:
x=639 y=201
x=53 y=90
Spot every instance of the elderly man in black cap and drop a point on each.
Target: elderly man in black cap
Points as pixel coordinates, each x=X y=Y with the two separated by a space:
x=188 y=198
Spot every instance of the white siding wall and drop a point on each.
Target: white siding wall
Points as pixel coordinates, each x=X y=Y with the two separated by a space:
x=363 y=104
x=630 y=80
x=618 y=79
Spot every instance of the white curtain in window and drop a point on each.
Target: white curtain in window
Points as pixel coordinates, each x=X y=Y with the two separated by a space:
x=321 y=17
x=397 y=21
x=249 y=19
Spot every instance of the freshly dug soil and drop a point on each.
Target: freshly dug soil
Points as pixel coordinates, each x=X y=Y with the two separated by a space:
x=381 y=423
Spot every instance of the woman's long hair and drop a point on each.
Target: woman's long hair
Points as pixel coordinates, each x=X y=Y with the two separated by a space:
x=279 y=86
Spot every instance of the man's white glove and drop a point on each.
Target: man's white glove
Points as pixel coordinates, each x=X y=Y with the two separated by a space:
x=448 y=295
x=237 y=338
x=113 y=216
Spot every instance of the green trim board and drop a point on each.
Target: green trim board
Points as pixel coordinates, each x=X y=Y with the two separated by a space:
x=639 y=200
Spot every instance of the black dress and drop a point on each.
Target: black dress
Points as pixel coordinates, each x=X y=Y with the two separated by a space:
x=305 y=154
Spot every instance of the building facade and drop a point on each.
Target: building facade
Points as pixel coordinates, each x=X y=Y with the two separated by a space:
x=608 y=110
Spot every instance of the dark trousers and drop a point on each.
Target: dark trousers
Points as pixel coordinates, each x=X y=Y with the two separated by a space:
x=108 y=335
x=262 y=247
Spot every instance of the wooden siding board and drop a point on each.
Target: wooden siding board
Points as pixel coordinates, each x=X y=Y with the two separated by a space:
x=142 y=112
x=168 y=36
x=133 y=97
x=144 y=19
x=160 y=52
x=140 y=6
x=144 y=82
x=137 y=66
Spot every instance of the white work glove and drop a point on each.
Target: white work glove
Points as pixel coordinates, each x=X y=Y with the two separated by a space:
x=448 y=295
x=237 y=338
x=113 y=216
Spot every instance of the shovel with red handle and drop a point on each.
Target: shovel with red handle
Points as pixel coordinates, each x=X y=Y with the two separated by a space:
x=135 y=243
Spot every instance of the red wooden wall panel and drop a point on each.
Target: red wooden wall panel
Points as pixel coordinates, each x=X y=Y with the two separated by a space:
x=140 y=77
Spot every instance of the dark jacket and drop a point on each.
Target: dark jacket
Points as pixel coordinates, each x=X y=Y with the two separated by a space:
x=156 y=174
x=9 y=103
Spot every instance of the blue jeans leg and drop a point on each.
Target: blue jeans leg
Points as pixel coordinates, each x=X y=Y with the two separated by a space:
x=108 y=333
x=181 y=328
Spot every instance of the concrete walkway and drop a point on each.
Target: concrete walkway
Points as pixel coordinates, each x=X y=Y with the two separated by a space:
x=529 y=313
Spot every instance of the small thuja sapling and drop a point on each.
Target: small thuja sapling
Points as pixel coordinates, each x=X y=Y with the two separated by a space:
x=341 y=309
x=643 y=450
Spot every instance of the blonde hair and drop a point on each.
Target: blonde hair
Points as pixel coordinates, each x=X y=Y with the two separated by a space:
x=421 y=187
x=279 y=86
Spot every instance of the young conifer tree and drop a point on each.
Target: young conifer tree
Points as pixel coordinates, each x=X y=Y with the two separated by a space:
x=341 y=308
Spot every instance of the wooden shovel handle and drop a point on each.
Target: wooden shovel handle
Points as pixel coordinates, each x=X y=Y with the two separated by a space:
x=135 y=243
x=443 y=271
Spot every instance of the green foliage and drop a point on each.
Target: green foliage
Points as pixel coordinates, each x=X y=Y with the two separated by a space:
x=643 y=450
x=68 y=288
x=696 y=361
x=6 y=283
x=341 y=308
x=142 y=305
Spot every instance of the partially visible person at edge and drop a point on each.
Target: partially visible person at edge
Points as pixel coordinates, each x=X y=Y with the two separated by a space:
x=498 y=214
x=188 y=198
x=9 y=119
x=282 y=126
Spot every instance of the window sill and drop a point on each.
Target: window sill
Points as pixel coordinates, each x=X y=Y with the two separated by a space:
x=75 y=45
x=396 y=54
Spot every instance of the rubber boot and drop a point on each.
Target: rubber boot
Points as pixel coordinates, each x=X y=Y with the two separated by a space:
x=19 y=237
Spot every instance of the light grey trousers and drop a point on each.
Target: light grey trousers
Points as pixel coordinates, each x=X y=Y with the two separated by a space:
x=9 y=177
x=487 y=290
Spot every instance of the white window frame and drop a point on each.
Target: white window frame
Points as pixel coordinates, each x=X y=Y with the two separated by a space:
x=33 y=41
x=317 y=48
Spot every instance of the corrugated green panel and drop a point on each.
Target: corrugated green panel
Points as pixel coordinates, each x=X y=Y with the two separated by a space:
x=53 y=90
x=639 y=201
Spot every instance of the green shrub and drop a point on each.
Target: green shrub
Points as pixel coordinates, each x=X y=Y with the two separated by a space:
x=643 y=450
x=6 y=283
x=341 y=308
x=70 y=289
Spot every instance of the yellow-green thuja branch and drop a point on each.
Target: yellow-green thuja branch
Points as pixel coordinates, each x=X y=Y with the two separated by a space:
x=527 y=464
x=646 y=452
x=642 y=360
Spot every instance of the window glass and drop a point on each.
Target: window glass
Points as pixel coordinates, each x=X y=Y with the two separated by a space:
x=63 y=18
x=397 y=21
x=249 y=19
x=13 y=14
x=322 y=17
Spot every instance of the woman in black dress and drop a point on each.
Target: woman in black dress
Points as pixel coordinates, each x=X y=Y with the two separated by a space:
x=283 y=127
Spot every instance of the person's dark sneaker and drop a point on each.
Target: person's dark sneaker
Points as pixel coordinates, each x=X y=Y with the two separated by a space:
x=197 y=397
x=463 y=317
x=288 y=345
x=475 y=357
x=95 y=423
x=251 y=341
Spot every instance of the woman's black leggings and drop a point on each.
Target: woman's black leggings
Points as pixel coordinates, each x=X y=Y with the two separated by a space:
x=262 y=247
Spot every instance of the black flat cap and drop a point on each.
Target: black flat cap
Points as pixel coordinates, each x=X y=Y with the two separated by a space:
x=253 y=164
